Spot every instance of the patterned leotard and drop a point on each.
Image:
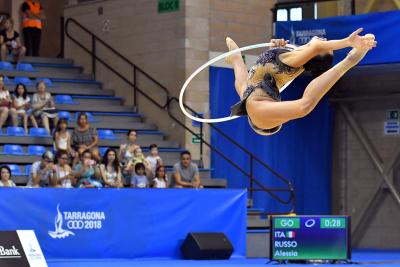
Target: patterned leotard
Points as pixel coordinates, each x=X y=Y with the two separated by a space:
x=267 y=84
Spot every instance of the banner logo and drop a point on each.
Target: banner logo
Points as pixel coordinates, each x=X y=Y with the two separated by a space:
x=9 y=253
x=59 y=231
x=301 y=37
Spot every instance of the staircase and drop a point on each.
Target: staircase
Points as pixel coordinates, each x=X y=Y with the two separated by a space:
x=88 y=95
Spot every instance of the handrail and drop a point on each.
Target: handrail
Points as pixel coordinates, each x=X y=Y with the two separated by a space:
x=170 y=101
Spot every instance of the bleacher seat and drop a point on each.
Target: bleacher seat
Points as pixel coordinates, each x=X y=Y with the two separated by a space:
x=89 y=115
x=15 y=169
x=23 y=80
x=4 y=65
x=14 y=150
x=47 y=81
x=28 y=169
x=106 y=134
x=38 y=132
x=64 y=115
x=15 y=131
x=6 y=80
x=24 y=67
x=34 y=150
x=102 y=150
x=65 y=99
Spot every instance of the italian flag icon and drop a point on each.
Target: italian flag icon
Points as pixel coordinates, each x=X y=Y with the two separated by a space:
x=290 y=234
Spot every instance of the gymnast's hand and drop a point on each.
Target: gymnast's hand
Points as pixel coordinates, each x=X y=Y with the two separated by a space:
x=357 y=41
x=279 y=42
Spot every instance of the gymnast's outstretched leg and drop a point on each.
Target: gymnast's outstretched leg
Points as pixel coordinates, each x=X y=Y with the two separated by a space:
x=269 y=114
x=239 y=67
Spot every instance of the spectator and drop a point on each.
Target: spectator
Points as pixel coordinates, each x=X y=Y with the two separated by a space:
x=10 y=41
x=21 y=103
x=138 y=157
x=125 y=153
x=41 y=171
x=186 y=173
x=86 y=172
x=85 y=137
x=62 y=172
x=5 y=105
x=161 y=180
x=154 y=159
x=62 y=138
x=139 y=180
x=44 y=107
x=110 y=170
x=6 y=177
x=32 y=17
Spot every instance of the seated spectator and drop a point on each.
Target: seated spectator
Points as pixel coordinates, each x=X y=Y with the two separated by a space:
x=41 y=171
x=154 y=159
x=22 y=103
x=5 y=105
x=86 y=171
x=138 y=157
x=62 y=172
x=161 y=180
x=5 y=180
x=62 y=138
x=43 y=107
x=186 y=173
x=10 y=42
x=110 y=170
x=84 y=137
x=139 y=180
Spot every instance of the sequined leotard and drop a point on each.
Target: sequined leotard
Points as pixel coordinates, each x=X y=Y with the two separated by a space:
x=267 y=84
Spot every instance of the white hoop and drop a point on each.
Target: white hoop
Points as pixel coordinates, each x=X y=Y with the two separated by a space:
x=207 y=64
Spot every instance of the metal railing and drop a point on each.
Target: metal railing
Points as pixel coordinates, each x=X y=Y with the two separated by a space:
x=167 y=106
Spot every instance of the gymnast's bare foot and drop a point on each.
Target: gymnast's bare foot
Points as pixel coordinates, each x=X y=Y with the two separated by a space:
x=232 y=46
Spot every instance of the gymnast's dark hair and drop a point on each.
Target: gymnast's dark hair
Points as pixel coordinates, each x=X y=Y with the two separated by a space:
x=319 y=64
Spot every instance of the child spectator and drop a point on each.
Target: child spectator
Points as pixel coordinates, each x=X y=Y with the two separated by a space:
x=5 y=105
x=86 y=172
x=139 y=180
x=10 y=41
x=21 y=103
x=6 y=181
x=44 y=107
x=110 y=170
x=41 y=171
x=154 y=159
x=161 y=180
x=138 y=157
x=62 y=138
x=62 y=172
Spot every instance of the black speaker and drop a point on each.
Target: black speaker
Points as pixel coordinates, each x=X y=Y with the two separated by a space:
x=206 y=246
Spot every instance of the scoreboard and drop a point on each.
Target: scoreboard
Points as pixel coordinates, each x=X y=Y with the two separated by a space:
x=310 y=238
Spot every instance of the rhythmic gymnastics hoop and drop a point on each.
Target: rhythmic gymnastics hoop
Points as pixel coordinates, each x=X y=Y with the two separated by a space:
x=212 y=61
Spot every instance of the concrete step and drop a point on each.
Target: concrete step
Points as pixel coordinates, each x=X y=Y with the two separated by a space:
x=70 y=84
x=143 y=140
x=258 y=244
x=95 y=108
x=46 y=74
x=98 y=100
x=56 y=68
x=48 y=60
x=70 y=91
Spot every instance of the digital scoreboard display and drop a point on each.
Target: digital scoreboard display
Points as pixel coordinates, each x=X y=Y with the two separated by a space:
x=310 y=238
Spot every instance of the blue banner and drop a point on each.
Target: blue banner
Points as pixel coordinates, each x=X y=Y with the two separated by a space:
x=384 y=25
x=113 y=223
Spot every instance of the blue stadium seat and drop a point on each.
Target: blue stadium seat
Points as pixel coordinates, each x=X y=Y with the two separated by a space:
x=28 y=169
x=15 y=131
x=24 y=67
x=47 y=81
x=64 y=115
x=36 y=150
x=106 y=134
x=89 y=115
x=65 y=99
x=14 y=150
x=4 y=65
x=24 y=80
x=38 y=132
x=6 y=80
x=102 y=150
x=15 y=169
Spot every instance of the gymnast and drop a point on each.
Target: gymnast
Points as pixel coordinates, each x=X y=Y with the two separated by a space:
x=259 y=88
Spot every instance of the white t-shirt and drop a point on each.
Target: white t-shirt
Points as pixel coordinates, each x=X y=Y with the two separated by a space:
x=10 y=184
x=21 y=101
x=66 y=183
x=160 y=183
x=153 y=163
x=36 y=170
x=4 y=94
